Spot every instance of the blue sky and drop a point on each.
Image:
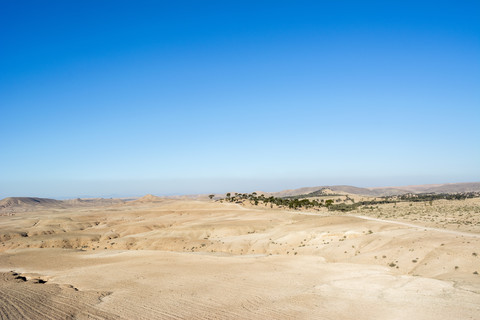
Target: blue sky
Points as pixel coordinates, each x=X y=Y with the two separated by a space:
x=119 y=98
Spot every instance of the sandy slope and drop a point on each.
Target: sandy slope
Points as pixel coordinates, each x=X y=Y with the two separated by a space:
x=201 y=260
x=30 y=299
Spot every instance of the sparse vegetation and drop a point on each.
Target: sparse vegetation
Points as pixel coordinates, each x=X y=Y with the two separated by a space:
x=375 y=206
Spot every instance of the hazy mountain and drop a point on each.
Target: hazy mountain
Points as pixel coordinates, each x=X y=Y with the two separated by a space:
x=384 y=191
x=22 y=204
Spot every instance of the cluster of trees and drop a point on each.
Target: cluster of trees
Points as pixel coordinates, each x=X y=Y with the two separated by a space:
x=438 y=196
x=337 y=205
x=422 y=197
x=292 y=203
x=318 y=193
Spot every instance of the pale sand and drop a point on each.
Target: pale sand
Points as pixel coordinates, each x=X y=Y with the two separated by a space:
x=174 y=259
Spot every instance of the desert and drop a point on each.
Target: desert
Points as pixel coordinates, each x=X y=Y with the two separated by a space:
x=251 y=160
x=167 y=258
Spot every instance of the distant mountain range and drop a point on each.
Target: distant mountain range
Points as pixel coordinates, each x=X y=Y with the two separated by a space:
x=19 y=204
x=384 y=191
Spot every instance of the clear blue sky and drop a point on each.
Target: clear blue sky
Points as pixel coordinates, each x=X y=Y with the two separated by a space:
x=105 y=98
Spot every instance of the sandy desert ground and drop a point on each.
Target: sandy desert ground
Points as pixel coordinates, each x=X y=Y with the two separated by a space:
x=186 y=259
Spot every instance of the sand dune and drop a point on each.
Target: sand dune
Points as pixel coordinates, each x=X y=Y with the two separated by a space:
x=174 y=259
